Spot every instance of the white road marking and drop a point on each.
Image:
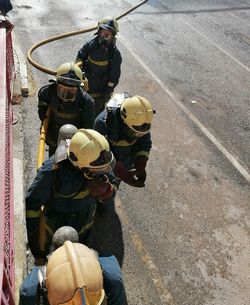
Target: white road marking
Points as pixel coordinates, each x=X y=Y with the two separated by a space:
x=158 y=280
x=208 y=134
x=239 y=18
x=217 y=46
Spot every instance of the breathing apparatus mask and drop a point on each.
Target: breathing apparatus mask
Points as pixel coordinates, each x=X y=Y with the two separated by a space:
x=69 y=78
x=105 y=37
x=67 y=88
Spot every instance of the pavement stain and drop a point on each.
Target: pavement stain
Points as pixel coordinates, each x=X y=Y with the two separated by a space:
x=193 y=170
x=245 y=38
x=32 y=85
x=17 y=99
x=27 y=7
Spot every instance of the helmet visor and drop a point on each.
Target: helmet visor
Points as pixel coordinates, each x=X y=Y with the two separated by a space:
x=70 y=81
x=109 y=27
x=104 y=164
x=66 y=93
x=139 y=131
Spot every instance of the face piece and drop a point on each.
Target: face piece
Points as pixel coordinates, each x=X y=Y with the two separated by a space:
x=66 y=93
x=105 y=37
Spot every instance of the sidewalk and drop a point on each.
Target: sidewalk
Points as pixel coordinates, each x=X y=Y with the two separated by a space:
x=19 y=209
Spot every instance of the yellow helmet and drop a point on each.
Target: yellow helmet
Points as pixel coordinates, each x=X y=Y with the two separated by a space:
x=109 y=23
x=69 y=78
x=74 y=276
x=137 y=114
x=90 y=150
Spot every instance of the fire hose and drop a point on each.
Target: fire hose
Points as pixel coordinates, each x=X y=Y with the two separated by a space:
x=44 y=126
x=41 y=146
x=68 y=34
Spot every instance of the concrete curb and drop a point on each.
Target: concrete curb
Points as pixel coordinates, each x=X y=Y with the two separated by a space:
x=22 y=66
x=20 y=84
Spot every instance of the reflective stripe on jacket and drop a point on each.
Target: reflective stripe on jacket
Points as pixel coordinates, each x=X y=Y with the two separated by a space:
x=102 y=65
x=80 y=112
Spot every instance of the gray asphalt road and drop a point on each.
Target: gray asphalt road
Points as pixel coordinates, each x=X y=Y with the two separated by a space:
x=200 y=50
x=184 y=238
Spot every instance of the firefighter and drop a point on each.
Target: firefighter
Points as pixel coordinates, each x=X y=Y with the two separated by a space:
x=68 y=190
x=126 y=124
x=74 y=270
x=68 y=102
x=101 y=62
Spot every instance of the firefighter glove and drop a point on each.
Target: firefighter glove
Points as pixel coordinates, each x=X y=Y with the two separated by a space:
x=127 y=176
x=101 y=189
x=140 y=163
x=42 y=112
x=140 y=167
x=121 y=170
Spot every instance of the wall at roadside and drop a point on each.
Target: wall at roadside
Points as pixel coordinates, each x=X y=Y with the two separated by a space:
x=12 y=242
x=7 y=279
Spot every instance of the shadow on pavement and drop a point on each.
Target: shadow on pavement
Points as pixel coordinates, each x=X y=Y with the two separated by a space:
x=107 y=232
